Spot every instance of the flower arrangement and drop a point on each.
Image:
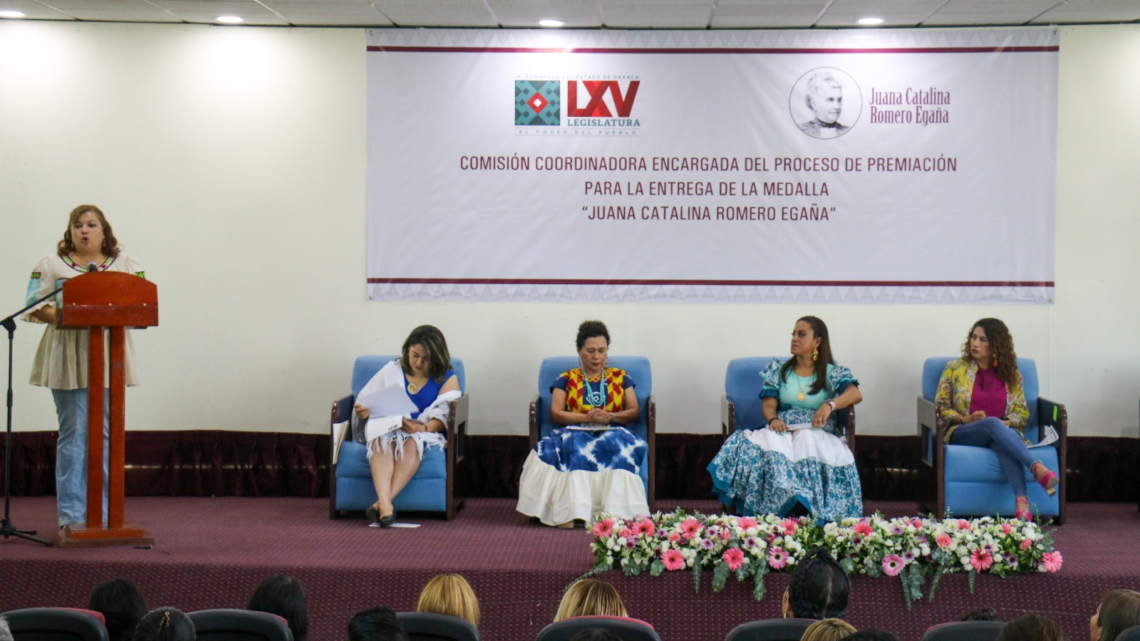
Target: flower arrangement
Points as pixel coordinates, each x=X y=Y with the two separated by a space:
x=750 y=547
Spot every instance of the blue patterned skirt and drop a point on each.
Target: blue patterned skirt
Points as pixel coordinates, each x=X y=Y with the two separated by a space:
x=763 y=472
x=573 y=474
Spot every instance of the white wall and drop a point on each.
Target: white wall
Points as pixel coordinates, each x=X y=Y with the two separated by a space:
x=231 y=163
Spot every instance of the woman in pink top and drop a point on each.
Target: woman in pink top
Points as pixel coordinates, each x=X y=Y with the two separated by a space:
x=981 y=399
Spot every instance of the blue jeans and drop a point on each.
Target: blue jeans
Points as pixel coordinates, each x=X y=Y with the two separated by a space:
x=1006 y=443
x=71 y=454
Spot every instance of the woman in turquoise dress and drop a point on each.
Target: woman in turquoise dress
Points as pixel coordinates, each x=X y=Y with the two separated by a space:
x=799 y=461
x=574 y=473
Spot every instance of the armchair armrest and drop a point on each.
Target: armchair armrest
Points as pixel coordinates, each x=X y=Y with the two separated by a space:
x=651 y=441
x=341 y=412
x=847 y=417
x=929 y=431
x=533 y=421
x=457 y=426
x=727 y=415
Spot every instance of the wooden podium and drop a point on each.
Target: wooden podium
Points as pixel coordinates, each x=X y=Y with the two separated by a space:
x=95 y=302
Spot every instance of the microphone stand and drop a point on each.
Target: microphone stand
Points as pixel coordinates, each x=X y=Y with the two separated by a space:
x=7 y=530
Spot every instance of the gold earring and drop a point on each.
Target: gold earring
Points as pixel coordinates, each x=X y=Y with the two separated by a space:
x=815 y=354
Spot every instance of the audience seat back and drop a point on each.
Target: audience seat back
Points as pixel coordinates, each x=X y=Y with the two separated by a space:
x=626 y=628
x=1131 y=634
x=239 y=625
x=770 y=630
x=56 y=624
x=427 y=626
x=964 y=631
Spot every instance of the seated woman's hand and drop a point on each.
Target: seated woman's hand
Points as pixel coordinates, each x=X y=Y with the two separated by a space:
x=975 y=416
x=361 y=411
x=821 y=414
x=778 y=426
x=411 y=427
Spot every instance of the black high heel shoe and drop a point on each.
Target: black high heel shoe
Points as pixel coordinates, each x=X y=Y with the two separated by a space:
x=388 y=521
x=373 y=514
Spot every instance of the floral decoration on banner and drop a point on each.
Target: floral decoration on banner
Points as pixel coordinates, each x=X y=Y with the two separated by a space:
x=751 y=547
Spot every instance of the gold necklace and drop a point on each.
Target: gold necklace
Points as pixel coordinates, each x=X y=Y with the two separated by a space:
x=799 y=381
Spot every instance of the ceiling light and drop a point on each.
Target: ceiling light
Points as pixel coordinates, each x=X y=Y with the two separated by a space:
x=870 y=22
x=550 y=23
x=11 y=13
x=230 y=19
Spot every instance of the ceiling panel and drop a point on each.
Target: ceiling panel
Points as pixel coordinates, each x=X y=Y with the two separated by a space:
x=211 y=17
x=946 y=19
x=426 y=17
x=33 y=10
x=527 y=13
x=670 y=17
x=760 y=22
x=124 y=15
x=216 y=8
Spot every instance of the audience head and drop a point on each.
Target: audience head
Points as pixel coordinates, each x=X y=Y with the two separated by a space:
x=989 y=343
x=1032 y=627
x=121 y=604
x=5 y=633
x=828 y=630
x=985 y=614
x=1118 y=611
x=818 y=588
x=595 y=634
x=450 y=594
x=590 y=597
x=871 y=635
x=425 y=352
x=283 y=595
x=164 y=624
x=376 y=624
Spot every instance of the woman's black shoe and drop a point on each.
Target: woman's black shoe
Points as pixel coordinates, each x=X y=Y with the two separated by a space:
x=387 y=521
x=373 y=514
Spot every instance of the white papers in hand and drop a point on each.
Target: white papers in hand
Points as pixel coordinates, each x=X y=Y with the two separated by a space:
x=387 y=401
x=592 y=427
x=1051 y=437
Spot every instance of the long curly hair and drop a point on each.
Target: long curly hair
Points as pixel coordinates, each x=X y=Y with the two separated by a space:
x=1001 y=348
x=110 y=246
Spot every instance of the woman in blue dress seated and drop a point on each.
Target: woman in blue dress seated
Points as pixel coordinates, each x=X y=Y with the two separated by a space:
x=575 y=473
x=424 y=372
x=800 y=461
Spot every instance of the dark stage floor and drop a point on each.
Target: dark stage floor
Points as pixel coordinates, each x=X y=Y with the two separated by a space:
x=213 y=552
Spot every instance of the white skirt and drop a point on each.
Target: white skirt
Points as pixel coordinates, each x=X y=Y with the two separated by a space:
x=557 y=497
x=799 y=445
x=423 y=442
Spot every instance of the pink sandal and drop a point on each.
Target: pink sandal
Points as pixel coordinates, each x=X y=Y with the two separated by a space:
x=1023 y=514
x=1048 y=479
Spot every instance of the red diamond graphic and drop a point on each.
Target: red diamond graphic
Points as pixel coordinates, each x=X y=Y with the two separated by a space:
x=537 y=102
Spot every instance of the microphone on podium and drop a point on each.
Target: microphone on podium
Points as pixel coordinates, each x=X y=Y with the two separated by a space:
x=92 y=267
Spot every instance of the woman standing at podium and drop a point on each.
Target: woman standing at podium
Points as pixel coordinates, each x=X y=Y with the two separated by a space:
x=61 y=359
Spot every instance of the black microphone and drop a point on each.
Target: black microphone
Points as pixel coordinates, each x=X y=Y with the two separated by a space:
x=92 y=267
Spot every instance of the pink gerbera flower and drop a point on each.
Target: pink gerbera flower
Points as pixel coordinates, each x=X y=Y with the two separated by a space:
x=1026 y=544
x=673 y=559
x=1052 y=561
x=690 y=527
x=789 y=526
x=603 y=528
x=777 y=558
x=893 y=564
x=943 y=540
x=746 y=522
x=981 y=560
x=647 y=527
x=733 y=558
x=863 y=529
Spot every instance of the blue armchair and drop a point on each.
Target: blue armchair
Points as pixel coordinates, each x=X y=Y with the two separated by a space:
x=967 y=481
x=741 y=404
x=350 y=478
x=645 y=426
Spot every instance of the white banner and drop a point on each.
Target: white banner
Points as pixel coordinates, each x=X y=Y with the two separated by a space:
x=827 y=166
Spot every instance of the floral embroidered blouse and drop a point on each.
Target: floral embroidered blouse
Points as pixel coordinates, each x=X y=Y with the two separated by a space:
x=956 y=388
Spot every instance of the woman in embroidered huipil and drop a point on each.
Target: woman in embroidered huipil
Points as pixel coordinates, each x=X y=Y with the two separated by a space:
x=980 y=397
x=61 y=359
x=574 y=474
x=800 y=461
x=424 y=372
